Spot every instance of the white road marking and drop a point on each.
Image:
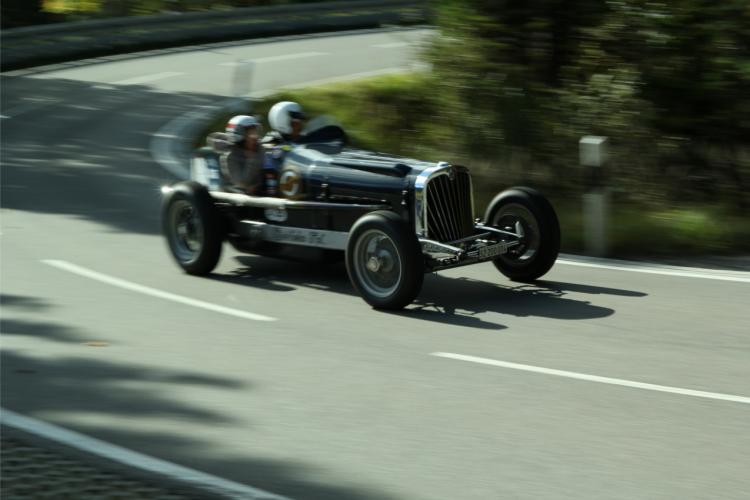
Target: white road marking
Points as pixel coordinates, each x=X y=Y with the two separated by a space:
x=28 y=106
x=595 y=378
x=128 y=285
x=269 y=59
x=392 y=45
x=207 y=482
x=145 y=78
x=649 y=268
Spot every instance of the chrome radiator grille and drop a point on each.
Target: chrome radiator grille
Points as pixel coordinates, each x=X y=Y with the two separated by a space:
x=449 y=207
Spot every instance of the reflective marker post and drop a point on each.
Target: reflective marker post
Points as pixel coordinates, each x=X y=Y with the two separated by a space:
x=242 y=79
x=593 y=156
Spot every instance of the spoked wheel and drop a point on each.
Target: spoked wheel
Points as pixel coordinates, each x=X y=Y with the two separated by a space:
x=526 y=212
x=384 y=261
x=192 y=228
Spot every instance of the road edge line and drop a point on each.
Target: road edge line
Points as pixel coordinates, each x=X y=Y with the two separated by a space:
x=130 y=458
x=654 y=268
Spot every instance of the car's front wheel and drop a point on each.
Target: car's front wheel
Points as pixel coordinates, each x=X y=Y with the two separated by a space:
x=526 y=210
x=193 y=228
x=384 y=260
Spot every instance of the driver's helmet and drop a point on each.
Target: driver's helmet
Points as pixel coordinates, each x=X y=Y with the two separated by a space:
x=281 y=115
x=237 y=127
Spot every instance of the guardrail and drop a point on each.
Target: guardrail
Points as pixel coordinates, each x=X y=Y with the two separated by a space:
x=35 y=45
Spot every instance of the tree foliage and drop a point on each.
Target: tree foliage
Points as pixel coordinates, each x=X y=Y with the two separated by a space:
x=669 y=83
x=17 y=13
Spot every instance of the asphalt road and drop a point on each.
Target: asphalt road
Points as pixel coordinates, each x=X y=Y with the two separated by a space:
x=331 y=399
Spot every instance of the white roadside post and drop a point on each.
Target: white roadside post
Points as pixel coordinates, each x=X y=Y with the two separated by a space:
x=242 y=79
x=593 y=156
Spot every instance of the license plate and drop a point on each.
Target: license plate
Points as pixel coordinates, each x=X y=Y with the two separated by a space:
x=493 y=250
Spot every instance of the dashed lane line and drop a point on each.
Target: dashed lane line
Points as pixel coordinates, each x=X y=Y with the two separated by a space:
x=153 y=292
x=215 y=485
x=595 y=378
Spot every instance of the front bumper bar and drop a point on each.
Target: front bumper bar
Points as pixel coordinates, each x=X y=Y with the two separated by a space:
x=486 y=244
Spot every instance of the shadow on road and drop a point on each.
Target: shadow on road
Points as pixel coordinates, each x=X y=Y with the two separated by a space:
x=82 y=149
x=286 y=276
x=456 y=301
x=590 y=289
x=542 y=300
x=49 y=331
x=38 y=329
x=22 y=302
x=122 y=402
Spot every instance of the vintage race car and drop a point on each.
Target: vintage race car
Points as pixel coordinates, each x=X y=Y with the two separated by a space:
x=393 y=219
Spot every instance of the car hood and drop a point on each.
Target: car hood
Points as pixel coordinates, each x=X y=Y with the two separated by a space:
x=375 y=162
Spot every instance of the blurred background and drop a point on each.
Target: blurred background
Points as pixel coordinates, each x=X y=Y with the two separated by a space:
x=508 y=88
x=18 y=13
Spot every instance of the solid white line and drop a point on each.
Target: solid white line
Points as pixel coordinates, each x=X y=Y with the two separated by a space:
x=595 y=378
x=649 y=268
x=127 y=285
x=270 y=59
x=146 y=78
x=130 y=458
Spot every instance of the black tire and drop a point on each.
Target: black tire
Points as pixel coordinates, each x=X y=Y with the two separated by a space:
x=384 y=260
x=193 y=228
x=541 y=243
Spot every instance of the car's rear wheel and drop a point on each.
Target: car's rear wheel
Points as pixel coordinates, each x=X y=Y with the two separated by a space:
x=193 y=228
x=384 y=260
x=526 y=209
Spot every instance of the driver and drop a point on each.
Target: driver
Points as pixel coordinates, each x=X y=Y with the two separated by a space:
x=287 y=120
x=241 y=156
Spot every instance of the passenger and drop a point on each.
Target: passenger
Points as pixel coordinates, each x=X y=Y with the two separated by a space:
x=286 y=119
x=241 y=156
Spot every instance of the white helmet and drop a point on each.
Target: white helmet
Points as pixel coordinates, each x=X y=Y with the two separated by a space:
x=238 y=125
x=281 y=115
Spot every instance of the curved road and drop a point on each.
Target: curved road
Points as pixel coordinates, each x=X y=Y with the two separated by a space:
x=602 y=381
